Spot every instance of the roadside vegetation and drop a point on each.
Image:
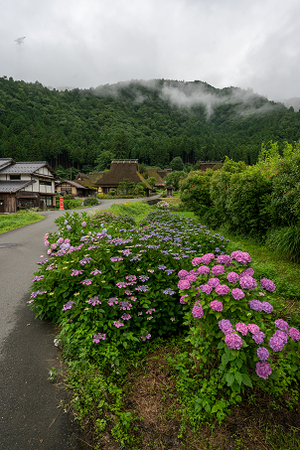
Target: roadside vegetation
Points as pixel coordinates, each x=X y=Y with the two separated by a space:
x=20 y=219
x=153 y=363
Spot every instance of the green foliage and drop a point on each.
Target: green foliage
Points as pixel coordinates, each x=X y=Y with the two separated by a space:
x=96 y=283
x=176 y=164
x=225 y=339
x=173 y=178
x=90 y=201
x=194 y=191
x=12 y=221
x=74 y=128
x=103 y=161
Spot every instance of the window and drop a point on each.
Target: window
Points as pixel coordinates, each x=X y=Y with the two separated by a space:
x=45 y=182
x=15 y=177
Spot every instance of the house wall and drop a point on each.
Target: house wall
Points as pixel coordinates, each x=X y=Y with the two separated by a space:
x=8 y=203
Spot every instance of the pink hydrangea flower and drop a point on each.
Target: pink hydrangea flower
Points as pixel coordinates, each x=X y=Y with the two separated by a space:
x=197 y=310
x=253 y=328
x=224 y=259
x=242 y=328
x=247 y=282
x=191 y=277
x=205 y=288
x=182 y=273
x=218 y=269
x=262 y=353
x=247 y=272
x=196 y=261
x=182 y=301
x=241 y=257
x=203 y=270
x=222 y=289
x=281 y=324
x=234 y=341
x=183 y=284
x=216 y=305
x=258 y=337
x=214 y=282
x=232 y=277
x=237 y=294
x=294 y=334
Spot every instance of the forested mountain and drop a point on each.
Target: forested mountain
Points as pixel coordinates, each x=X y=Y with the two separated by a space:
x=153 y=121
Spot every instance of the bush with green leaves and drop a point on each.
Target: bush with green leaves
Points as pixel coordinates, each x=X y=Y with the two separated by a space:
x=109 y=283
x=194 y=191
x=90 y=201
x=237 y=338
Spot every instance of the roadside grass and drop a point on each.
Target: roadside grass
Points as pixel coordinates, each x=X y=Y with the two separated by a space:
x=10 y=222
x=146 y=407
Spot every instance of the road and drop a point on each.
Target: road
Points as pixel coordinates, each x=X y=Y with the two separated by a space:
x=29 y=414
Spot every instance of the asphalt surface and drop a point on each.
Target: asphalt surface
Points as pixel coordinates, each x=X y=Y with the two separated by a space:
x=30 y=416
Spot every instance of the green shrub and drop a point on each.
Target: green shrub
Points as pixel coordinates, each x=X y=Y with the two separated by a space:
x=90 y=201
x=194 y=191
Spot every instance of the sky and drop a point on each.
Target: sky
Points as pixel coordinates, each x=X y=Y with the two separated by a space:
x=251 y=44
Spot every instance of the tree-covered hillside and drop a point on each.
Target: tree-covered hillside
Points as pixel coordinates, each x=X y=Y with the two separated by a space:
x=153 y=121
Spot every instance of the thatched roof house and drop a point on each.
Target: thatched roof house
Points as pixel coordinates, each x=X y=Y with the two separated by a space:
x=204 y=165
x=153 y=172
x=89 y=180
x=121 y=169
x=164 y=173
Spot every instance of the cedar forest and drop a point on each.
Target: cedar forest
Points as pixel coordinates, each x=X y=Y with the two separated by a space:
x=153 y=121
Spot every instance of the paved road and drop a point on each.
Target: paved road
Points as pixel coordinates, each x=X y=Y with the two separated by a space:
x=29 y=413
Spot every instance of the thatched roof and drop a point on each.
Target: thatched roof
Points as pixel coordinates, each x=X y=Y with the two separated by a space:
x=164 y=173
x=89 y=180
x=204 y=165
x=119 y=170
x=153 y=172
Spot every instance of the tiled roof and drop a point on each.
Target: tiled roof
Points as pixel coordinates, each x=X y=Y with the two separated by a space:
x=5 y=162
x=8 y=187
x=26 y=167
x=73 y=183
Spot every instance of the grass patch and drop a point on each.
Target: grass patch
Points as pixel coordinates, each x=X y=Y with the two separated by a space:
x=10 y=222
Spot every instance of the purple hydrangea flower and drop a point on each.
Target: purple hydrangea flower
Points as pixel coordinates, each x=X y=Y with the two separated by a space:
x=203 y=270
x=263 y=369
x=233 y=341
x=191 y=277
x=232 y=277
x=216 y=305
x=241 y=257
x=242 y=328
x=282 y=335
x=222 y=289
x=224 y=259
x=267 y=307
x=94 y=301
x=267 y=284
x=262 y=353
x=169 y=291
x=225 y=326
x=213 y=282
x=253 y=328
x=183 y=284
x=197 y=310
x=247 y=273
x=118 y=324
x=258 y=337
x=218 y=270
x=248 y=283
x=256 y=305
x=68 y=305
x=281 y=324
x=182 y=273
x=196 y=261
x=276 y=343
x=205 y=288
x=206 y=259
x=237 y=294
x=98 y=337
x=294 y=334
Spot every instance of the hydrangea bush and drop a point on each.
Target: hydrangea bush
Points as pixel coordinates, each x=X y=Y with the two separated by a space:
x=234 y=330
x=109 y=282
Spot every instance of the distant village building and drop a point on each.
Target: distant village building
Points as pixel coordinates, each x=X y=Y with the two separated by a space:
x=204 y=165
x=164 y=173
x=153 y=172
x=25 y=185
x=74 y=188
x=121 y=169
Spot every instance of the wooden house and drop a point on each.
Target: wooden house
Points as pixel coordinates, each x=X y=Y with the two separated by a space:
x=164 y=173
x=74 y=188
x=25 y=185
x=121 y=169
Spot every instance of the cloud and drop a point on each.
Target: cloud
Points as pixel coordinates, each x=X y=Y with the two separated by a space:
x=88 y=43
